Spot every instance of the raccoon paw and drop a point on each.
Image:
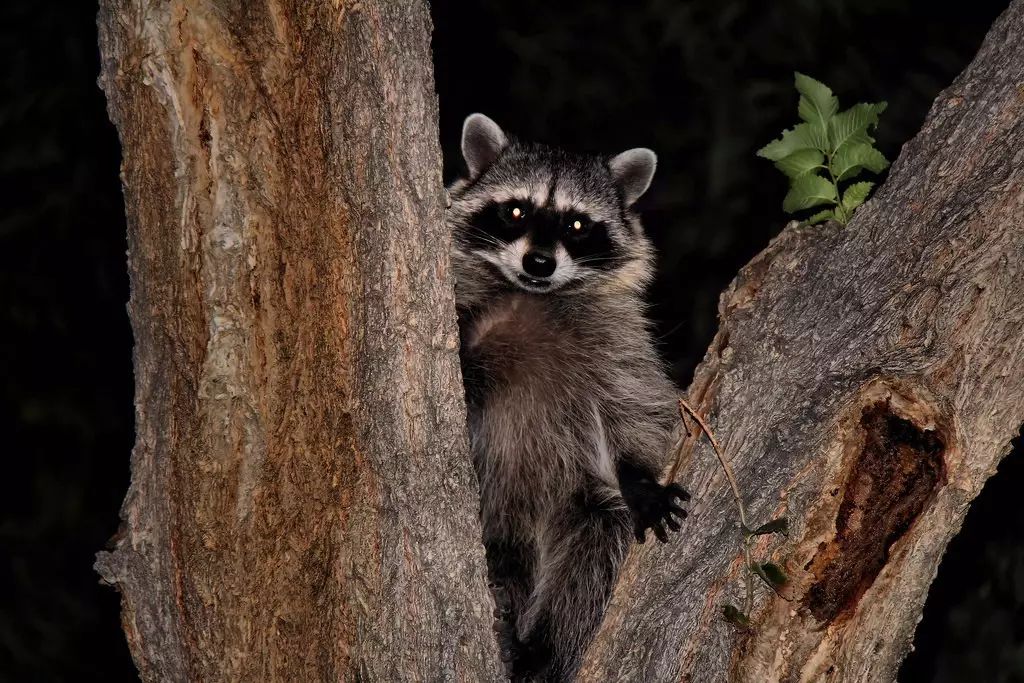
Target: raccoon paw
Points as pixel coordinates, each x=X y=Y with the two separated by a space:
x=509 y=647
x=654 y=507
x=523 y=660
x=528 y=664
x=520 y=660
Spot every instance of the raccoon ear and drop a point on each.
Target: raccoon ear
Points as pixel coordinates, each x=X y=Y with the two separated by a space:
x=482 y=142
x=632 y=171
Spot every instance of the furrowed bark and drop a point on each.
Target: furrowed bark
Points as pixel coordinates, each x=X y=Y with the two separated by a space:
x=302 y=504
x=865 y=382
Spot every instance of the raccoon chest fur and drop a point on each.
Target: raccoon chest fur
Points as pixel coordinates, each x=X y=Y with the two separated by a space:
x=533 y=409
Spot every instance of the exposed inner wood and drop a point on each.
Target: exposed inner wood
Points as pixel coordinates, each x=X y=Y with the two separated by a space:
x=894 y=476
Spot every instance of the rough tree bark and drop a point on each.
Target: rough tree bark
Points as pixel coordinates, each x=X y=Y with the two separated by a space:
x=302 y=504
x=865 y=381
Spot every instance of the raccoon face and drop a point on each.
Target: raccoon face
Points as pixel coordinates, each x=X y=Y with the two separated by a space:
x=544 y=220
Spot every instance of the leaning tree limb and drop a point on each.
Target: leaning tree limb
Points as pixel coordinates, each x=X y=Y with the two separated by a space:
x=865 y=381
x=302 y=505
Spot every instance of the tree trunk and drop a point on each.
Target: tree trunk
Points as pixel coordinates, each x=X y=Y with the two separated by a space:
x=865 y=381
x=302 y=504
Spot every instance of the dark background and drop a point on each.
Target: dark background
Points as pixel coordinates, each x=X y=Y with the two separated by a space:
x=703 y=83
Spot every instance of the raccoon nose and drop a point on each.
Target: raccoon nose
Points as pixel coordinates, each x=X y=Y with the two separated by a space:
x=539 y=264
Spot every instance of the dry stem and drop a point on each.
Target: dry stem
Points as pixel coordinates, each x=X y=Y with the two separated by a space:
x=685 y=408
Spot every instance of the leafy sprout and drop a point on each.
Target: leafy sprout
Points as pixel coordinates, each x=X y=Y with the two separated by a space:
x=826 y=151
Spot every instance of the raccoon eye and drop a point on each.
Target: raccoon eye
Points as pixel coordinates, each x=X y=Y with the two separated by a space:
x=578 y=225
x=516 y=212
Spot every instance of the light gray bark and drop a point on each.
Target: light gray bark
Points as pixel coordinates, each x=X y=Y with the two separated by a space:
x=302 y=504
x=865 y=382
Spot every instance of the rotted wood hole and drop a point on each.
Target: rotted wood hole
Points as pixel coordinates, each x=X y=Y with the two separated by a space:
x=898 y=471
x=887 y=466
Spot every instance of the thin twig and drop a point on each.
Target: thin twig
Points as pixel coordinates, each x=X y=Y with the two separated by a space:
x=747 y=539
x=683 y=405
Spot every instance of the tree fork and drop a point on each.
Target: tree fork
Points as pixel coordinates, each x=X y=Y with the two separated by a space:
x=865 y=382
x=302 y=504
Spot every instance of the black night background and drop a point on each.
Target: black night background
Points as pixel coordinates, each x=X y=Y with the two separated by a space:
x=703 y=83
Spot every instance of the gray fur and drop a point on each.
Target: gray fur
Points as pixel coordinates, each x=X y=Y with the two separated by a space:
x=569 y=383
x=482 y=142
x=633 y=171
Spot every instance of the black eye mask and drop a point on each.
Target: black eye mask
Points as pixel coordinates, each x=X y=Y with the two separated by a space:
x=589 y=246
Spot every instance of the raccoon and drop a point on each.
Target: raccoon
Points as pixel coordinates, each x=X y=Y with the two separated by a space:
x=570 y=409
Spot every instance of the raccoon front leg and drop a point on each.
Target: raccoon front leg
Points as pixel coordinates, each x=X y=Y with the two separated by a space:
x=651 y=505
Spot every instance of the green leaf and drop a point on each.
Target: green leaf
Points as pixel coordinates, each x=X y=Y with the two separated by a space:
x=772 y=574
x=852 y=125
x=776 y=575
x=821 y=217
x=855 y=195
x=804 y=136
x=817 y=103
x=735 y=617
x=840 y=143
x=798 y=163
x=780 y=525
x=854 y=156
x=808 y=191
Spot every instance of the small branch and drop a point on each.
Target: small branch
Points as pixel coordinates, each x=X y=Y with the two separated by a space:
x=684 y=409
x=684 y=406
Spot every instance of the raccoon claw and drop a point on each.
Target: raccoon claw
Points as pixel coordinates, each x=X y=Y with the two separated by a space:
x=509 y=647
x=511 y=652
x=514 y=654
x=508 y=644
x=655 y=509
x=503 y=626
